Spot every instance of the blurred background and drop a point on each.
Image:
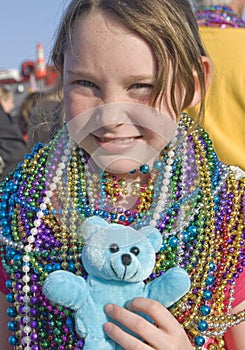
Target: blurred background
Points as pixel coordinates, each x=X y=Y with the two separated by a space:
x=27 y=30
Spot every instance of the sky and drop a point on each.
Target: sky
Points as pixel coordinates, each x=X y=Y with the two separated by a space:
x=24 y=24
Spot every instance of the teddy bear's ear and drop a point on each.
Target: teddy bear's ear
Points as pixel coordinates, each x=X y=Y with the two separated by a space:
x=92 y=225
x=153 y=235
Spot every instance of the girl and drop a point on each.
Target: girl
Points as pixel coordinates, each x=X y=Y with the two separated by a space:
x=129 y=155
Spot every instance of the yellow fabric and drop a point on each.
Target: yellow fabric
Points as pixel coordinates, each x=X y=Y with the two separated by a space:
x=225 y=104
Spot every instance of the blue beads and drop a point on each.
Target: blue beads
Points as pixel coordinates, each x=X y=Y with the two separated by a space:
x=130 y=219
x=144 y=169
x=216 y=199
x=17 y=257
x=71 y=266
x=163 y=247
x=205 y=310
x=199 y=341
x=4 y=223
x=4 y=197
x=202 y=326
x=9 y=284
x=176 y=206
x=209 y=280
x=12 y=340
x=11 y=311
x=56 y=266
x=122 y=218
x=87 y=212
x=11 y=326
x=10 y=254
x=10 y=298
x=3 y=205
x=6 y=231
x=48 y=268
x=105 y=215
x=157 y=164
x=207 y=295
x=193 y=230
x=185 y=236
x=113 y=216
x=173 y=241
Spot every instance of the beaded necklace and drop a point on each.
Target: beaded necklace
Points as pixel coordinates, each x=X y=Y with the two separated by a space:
x=192 y=198
x=219 y=16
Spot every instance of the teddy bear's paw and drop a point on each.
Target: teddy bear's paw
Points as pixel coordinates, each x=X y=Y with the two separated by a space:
x=170 y=287
x=65 y=288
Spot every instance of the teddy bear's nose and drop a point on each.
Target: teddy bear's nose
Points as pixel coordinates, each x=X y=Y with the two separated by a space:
x=126 y=259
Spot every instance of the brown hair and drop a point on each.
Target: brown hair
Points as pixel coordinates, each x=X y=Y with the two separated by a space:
x=169 y=27
x=28 y=104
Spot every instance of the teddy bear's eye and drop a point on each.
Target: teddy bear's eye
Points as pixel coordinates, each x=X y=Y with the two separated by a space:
x=114 y=248
x=135 y=250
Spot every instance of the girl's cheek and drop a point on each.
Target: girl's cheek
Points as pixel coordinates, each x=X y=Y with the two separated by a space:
x=75 y=106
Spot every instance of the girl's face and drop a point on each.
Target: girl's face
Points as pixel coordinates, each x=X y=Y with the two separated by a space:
x=109 y=74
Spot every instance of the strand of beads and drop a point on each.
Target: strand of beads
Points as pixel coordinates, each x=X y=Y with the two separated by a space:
x=27 y=340
x=201 y=258
x=207 y=319
x=182 y=220
x=230 y=239
x=211 y=293
x=89 y=181
x=219 y=16
x=181 y=206
x=164 y=193
x=109 y=190
x=18 y=271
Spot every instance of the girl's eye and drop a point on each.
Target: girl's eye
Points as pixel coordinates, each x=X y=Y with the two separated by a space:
x=141 y=86
x=86 y=83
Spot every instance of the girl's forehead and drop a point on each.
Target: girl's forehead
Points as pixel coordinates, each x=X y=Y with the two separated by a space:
x=102 y=37
x=101 y=19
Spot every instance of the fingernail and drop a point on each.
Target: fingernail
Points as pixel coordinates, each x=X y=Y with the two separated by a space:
x=108 y=308
x=107 y=327
x=128 y=305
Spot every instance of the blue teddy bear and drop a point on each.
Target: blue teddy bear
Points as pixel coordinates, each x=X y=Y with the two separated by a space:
x=118 y=259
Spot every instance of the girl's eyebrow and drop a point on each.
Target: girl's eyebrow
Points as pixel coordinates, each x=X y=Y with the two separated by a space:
x=80 y=72
x=129 y=77
x=141 y=77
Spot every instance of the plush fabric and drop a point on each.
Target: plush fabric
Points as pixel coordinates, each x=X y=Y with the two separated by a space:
x=118 y=259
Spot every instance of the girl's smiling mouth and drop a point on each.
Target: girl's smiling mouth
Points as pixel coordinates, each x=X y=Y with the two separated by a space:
x=116 y=144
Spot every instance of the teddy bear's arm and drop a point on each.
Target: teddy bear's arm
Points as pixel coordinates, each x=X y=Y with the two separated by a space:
x=170 y=287
x=65 y=288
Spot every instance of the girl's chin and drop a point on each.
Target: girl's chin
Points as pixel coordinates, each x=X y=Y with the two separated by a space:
x=118 y=166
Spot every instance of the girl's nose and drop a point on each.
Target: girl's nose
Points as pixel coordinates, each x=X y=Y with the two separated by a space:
x=112 y=114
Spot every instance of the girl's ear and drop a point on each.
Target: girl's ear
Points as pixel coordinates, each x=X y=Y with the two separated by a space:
x=207 y=65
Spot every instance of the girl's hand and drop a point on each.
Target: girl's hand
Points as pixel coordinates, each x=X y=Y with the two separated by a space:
x=168 y=335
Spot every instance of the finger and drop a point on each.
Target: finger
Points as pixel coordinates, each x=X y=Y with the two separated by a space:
x=157 y=312
x=134 y=323
x=127 y=341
